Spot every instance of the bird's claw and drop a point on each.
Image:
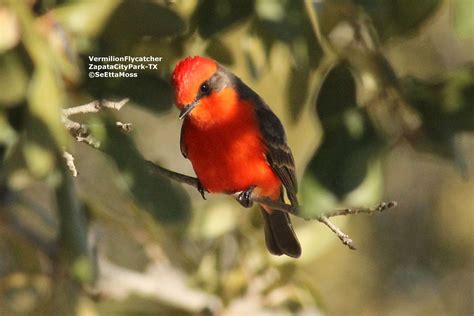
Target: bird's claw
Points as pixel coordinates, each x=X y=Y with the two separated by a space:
x=244 y=198
x=201 y=189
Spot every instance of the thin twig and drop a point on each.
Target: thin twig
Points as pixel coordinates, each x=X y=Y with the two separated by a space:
x=70 y=162
x=313 y=17
x=192 y=181
x=346 y=240
x=125 y=127
x=324 y=218
x=80 y=131
x=94 y=107
x=383 y=206
x=82 y=134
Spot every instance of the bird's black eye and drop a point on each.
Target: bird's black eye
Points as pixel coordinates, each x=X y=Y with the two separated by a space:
x=204 y=89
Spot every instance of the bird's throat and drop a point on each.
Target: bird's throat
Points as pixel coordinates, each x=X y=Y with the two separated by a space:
x=219 y=108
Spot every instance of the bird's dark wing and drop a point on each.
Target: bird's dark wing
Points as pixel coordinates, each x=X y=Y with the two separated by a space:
x=278 y=154
x=182 y=145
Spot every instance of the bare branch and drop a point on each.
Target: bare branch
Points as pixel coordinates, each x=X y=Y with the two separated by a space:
x=91 y=107
x=383 y=206
x=114 y=105
x=192 y=181
x=346 y=240
x=313 y=17
x=125 y=127
x=94 y=107
x=323 y=218
x=80 y=133
x=70 y=162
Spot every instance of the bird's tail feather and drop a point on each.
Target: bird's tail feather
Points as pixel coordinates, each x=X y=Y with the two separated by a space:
x=280 y=237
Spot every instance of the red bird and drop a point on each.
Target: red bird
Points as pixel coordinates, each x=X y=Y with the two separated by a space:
x=236 y=144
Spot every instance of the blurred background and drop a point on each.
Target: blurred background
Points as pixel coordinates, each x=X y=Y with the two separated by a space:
x=377 y=98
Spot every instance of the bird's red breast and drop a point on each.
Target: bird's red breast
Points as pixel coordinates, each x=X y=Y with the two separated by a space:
x=224 y=144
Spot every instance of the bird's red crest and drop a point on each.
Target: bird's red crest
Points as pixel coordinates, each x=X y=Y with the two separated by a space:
x=189 y=74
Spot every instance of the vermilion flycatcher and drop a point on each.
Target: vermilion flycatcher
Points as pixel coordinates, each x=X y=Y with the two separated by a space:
x=236 y=144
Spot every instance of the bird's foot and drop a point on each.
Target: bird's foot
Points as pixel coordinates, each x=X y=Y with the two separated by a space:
x=244 y=197
x=201 y=189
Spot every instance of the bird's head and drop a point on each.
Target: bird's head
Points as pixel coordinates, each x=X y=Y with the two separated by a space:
x=204 y=91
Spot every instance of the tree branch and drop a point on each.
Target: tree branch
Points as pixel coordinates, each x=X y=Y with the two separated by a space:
x=94 y=107
x=313 y=17
x=70 y=162
x=346 y=240
x=323 y=218
x=81 y=133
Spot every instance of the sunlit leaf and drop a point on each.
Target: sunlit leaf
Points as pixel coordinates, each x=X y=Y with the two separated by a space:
x=10 y=29
x=462 y=18
x=40 y=160
x=270 y=10
x=8 y=136
x=46 y=98
x=85 y=18
x=14 y=76
x=38 y=147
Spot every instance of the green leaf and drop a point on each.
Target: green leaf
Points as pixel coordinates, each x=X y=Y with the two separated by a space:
x=164 y=200
x=72 y=234
x=446 y=106
x=8 y=135
x=45 y=93
x=349 y=140
x=220 y=52
x=297 y=91
x=215 y=16
x=14 y=76
x=40 y=160
x=284 y=21
x=399 y=17
x=45 y=100
x=251 y=65
x=38 y=147
x=85 y=18
x=462 y=18
x=135 y=19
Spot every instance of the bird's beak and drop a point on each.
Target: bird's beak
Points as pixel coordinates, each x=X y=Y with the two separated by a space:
x=187 y=109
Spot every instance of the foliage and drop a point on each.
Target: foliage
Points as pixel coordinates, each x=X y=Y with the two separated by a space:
x=337 y=73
